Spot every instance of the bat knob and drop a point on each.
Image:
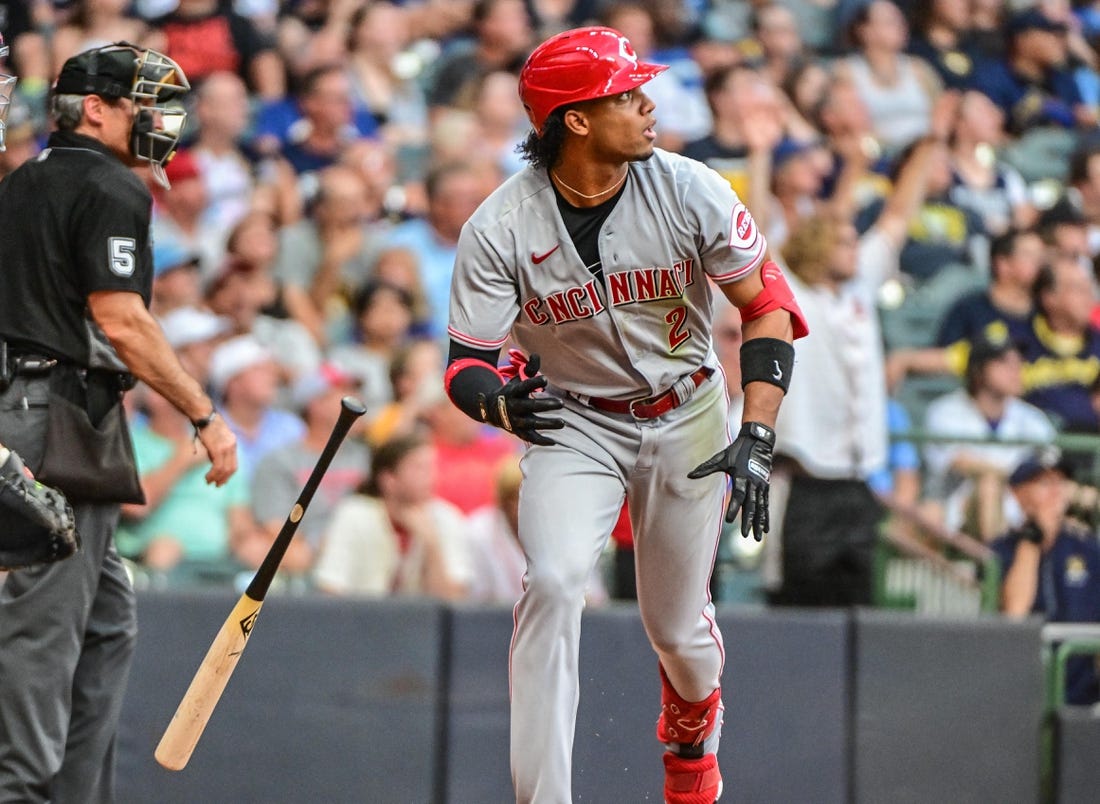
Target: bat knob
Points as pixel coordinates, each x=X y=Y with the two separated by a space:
x=353 y=406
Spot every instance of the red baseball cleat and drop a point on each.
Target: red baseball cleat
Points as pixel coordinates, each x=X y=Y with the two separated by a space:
x=692 y=781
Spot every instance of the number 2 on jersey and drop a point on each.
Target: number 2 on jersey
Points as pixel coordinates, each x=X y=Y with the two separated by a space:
x=676 y=333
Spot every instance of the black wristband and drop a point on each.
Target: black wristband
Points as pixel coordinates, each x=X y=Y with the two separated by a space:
x=1030 y=532
x=767 y=360
x=204 y=422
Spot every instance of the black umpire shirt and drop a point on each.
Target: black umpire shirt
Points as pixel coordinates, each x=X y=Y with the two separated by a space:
x=78 y=222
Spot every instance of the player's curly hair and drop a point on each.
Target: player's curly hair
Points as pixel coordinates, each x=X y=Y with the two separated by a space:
x=544 y=152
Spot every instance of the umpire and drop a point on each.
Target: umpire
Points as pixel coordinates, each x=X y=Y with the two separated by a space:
x=76 y=261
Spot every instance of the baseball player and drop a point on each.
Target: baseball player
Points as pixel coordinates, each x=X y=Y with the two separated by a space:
x=600 y=258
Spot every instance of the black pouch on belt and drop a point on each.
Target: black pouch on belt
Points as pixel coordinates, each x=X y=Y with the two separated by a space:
x=89 y=454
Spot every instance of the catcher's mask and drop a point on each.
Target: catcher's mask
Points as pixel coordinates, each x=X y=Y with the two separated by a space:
x=148 y=78
x=7 y=86
x=578 y=65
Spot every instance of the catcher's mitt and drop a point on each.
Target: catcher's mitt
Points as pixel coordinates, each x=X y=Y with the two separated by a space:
x=38 y=525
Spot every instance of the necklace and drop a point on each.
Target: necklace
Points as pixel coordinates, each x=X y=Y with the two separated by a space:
x=618 y=181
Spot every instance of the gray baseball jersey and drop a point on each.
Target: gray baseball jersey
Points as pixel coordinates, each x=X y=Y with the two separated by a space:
x=648 y=323
x=632 y=330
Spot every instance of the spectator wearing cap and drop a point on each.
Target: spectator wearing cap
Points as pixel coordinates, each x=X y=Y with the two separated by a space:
x=1031 y=84
x=971 y=477
x=193 y=333
x=186 y=532
x=282 y=473
x=180 y=214
x=1050 y=566
x=176 y=281
x=245 y=378
x=798 y=171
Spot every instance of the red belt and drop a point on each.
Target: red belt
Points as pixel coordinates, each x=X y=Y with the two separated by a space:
x=649 y=407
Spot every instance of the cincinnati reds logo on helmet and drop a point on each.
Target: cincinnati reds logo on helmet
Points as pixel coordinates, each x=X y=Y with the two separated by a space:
x=743 y=228
x=626 y=50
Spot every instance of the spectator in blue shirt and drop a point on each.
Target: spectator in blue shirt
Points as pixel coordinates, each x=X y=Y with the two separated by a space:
x=1051 y=566
x=1032 y=84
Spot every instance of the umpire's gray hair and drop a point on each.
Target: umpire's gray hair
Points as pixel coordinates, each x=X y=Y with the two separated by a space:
x=67 y=111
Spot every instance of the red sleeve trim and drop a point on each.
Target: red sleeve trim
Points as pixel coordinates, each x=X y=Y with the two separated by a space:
x=477 y=343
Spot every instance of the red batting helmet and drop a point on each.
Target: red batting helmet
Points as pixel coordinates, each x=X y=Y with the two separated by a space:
x=579 y=65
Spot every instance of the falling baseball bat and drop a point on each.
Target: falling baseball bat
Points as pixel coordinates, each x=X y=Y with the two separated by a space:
x=193 y=713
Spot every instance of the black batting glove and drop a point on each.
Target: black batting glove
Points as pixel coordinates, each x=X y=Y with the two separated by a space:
x=748 y=462
x=511 y=407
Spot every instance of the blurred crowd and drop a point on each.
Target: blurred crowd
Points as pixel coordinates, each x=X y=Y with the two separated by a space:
x=926 y=171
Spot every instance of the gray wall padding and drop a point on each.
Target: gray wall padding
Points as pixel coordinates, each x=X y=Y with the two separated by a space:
x=786 y=737
x=390 y=702
x=332 y=701
x=946 y=711
x=1078 y=745
x=477 y=730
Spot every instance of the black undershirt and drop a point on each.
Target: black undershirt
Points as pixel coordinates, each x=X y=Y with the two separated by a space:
x=584 y=225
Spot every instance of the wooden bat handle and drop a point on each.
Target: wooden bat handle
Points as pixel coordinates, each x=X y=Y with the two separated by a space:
x=350 y=410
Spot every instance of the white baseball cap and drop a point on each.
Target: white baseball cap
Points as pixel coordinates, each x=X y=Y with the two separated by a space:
x=187 y=325
x=315 y=383
x=234 y=356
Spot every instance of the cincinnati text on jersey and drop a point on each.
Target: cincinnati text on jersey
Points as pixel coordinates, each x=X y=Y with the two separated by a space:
x=636 y=286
